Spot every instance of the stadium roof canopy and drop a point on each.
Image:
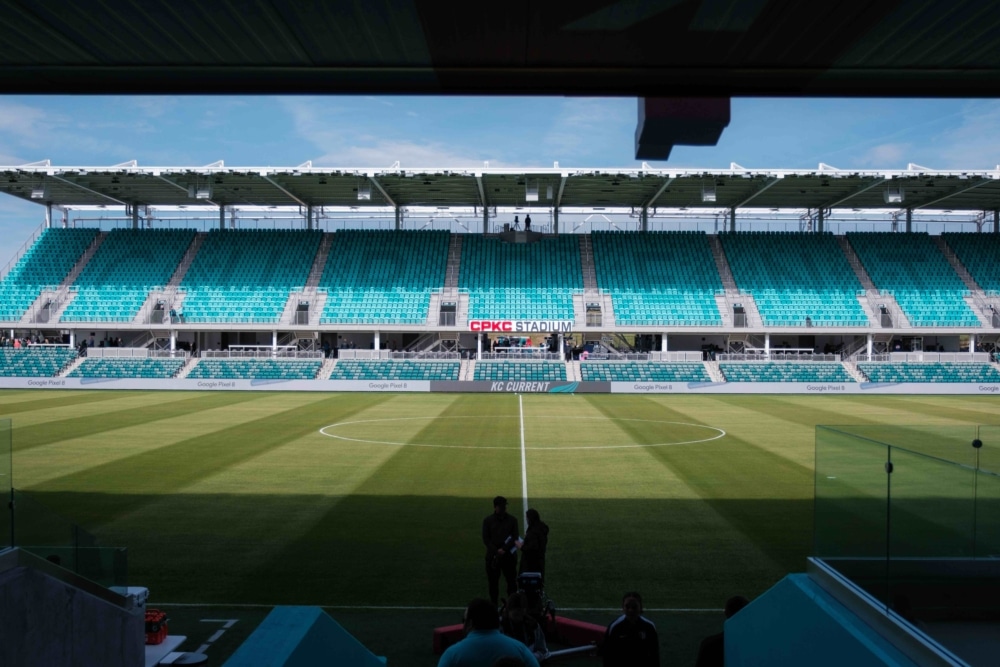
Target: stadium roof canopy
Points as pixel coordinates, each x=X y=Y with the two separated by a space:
x=129 y=185
x=594 y=47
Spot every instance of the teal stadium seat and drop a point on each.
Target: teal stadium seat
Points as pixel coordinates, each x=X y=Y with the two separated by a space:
x=935 y=372
x=128 y=368
x=527 y=371
x=785 y=371
x=247 y=276
x=256 y=369
x=918 y=275
x=383 y=277
x=381 y=369
x=643 y=371
x=796 y=275
x=521 y=281
x=35 y=361
x=128 y=265
x=43 y=266
x=658 y=278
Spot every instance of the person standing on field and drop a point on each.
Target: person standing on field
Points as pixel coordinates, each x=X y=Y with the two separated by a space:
x=500 y=537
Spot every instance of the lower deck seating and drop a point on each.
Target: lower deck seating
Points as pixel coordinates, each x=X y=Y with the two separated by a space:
x=529 y=371
x=35 y=361
x=127 y=368
x=353 y=369
x=930 y=372
x=785 y=371
x=645 y=371
x=256 y=369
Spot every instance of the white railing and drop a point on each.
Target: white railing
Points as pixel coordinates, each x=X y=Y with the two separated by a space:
x=780 y=356
x=262 y=352
x=928 y=357
x=676 y=356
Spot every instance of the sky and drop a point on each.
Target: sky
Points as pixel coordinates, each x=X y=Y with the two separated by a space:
x=375 y=132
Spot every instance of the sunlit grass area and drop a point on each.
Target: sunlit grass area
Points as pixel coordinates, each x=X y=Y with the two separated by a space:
x=376 y=500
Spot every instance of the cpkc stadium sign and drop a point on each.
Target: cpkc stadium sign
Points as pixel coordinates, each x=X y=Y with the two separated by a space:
x=521 y=326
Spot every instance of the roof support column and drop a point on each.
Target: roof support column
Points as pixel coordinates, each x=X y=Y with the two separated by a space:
x=555 y=219
x=996 y=221
x=48 y=216
x=644 y=219
x=820 y=219
x=732 y=219
x=871 y=346
x=486 y=220
x=909 y=220
x=309 y=216
x=135 y=216
x=222 y=218
x=399 y=218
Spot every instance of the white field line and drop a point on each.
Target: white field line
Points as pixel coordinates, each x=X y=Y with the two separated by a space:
x=524 y=463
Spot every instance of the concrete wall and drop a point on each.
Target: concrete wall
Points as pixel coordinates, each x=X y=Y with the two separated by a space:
x=45 y=621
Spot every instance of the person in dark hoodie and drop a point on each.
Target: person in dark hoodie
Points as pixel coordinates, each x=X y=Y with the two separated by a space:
x=536 y=539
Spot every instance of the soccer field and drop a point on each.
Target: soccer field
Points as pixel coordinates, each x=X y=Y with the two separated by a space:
x=376 y=500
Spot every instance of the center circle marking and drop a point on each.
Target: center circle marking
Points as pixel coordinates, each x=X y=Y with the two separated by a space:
x=717 y=433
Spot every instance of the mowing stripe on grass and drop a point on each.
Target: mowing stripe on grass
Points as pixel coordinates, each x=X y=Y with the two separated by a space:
x=75 y=427
x=9 y=408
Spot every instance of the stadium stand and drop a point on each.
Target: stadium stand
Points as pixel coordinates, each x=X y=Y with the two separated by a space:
x=120 y=368
x=255 y=369
x=35 y=361
x=528 y=371
x=634 y=371
x=126 y=267
x=929 y=372
x=794 y=276
x=383 y=277
x=920 y=278
x=658 y=278
x=350 y=369
x=787 y=371
x=980 y=255
x=44 y=266
x=246 y=276
x=533 y=281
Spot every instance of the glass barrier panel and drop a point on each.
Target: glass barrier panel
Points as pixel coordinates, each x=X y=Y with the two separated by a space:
x=6 y=484
x=850 y=499
x=987 y=528
x=950 y=443
x=989 y=453
x=46 y=534
x=931 y=507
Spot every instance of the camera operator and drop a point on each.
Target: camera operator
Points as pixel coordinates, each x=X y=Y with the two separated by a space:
x=499 y=537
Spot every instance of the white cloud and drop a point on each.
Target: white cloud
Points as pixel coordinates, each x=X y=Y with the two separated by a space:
x=410 y=154
x=886 y=156
x=578 y=129
x=973 y=144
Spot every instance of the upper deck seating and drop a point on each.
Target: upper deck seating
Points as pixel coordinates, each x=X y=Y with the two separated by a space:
x=529 y=371
x=126 y=267
x=405 y=369
x=930 y=372
x=521 y=281
x=35 y=361
x=795 y=276
x=383 y=277
x=44 y=266
x=784 y=371
x=111 y=367
x=658 y=278
x=643 y=371
x=980 y=255
x=246 y=276
x=255 y=369
x=918 y=275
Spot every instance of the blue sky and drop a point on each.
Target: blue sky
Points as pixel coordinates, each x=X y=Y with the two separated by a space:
x=365 y=131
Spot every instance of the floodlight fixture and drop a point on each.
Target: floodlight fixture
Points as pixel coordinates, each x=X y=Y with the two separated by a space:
x=200 y=191
x=894 y=194
x=708 y=193
x=364 y=192
x=530 y=190
x=38 y=192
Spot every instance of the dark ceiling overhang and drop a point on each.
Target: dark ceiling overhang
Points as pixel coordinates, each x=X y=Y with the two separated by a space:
x=656 y=48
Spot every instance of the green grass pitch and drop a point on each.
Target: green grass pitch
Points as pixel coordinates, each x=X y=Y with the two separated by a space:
x=376 y=500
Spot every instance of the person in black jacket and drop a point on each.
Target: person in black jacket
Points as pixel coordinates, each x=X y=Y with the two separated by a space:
x=536 y=539
x=631 y=639
x=500 y=538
